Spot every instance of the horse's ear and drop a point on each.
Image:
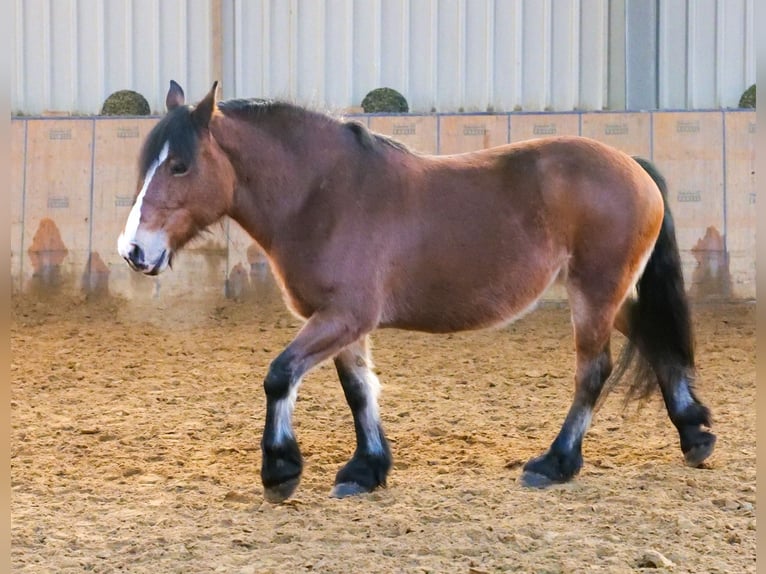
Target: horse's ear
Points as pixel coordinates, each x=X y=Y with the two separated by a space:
x=175 y=96
x=204 y=110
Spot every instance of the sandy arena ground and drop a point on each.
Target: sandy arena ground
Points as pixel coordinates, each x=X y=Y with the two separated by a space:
x=135 y=440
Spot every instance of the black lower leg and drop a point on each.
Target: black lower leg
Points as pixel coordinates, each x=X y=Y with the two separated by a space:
x=366 y=470
x=688 y=415
x=563 y=460
x=281 y=463
x=371 y=462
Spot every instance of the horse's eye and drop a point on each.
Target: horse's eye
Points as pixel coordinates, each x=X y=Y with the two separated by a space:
x=178 y=168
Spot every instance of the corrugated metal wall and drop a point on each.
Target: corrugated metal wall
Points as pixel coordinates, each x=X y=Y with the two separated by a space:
x=69 y=55
x=443 y=55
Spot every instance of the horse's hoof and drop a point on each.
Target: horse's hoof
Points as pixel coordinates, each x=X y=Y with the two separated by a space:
x=345 y=489
x=698 y=453
x=535 y=480
x=282 y=491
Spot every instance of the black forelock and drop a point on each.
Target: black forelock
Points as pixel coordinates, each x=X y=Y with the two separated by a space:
x=178 y=130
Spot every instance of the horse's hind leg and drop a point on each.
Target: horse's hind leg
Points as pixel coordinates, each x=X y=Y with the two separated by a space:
x=675 y=379
x=563 y=460
x=371 y=462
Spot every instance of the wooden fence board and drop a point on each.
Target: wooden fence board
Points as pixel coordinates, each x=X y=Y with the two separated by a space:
x=741 y=201
x=629 y=132
x=688 y=150
x=463 y=133
x=533 y=126
x=57 y=201
x=418 y=132
x=18 y=129
x=76 y=183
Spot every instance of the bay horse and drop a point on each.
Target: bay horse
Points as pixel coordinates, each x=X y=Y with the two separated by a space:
x=362 y=233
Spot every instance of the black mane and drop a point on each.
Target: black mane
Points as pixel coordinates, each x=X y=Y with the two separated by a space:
x=255 y=108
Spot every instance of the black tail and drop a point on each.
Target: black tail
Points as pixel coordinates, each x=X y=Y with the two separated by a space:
x=660 y=339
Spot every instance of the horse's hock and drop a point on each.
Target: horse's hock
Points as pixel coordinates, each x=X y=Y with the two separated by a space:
x=73 y=182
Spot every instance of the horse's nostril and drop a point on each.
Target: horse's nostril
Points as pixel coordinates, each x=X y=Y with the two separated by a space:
x=136 y=256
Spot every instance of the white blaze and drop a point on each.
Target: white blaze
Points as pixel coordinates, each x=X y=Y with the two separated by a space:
x=128 y=236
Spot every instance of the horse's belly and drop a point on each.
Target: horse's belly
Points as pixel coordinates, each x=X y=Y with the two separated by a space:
x=466 y=302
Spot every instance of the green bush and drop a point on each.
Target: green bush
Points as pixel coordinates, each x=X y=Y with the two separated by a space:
x=125 y=103
x=384 y=100
x=748 y=98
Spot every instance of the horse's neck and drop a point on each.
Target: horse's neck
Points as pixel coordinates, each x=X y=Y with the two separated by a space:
x=274 y=175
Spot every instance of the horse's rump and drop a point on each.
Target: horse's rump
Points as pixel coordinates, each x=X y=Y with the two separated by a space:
x=491 y=230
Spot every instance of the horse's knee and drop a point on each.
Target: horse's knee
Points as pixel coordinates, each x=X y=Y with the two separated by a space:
x=279 y=377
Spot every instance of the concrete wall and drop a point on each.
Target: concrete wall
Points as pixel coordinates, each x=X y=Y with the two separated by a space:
x=73 y=181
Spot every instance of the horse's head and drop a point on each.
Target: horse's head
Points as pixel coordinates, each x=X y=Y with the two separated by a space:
x=185 y=184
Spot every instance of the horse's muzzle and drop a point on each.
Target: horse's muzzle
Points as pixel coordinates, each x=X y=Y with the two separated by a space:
x=136 y=258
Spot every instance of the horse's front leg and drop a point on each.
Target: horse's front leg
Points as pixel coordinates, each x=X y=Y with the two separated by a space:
x=371 y=462
x=322 y=337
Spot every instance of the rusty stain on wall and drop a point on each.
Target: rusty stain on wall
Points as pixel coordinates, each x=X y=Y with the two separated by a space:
x=711 y=278
x=47 y=254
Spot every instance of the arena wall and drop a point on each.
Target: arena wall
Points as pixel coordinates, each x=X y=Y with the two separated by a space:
x=73 y=182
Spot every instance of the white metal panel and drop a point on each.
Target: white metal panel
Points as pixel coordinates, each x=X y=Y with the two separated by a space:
x=443 y=55
x=173 y=46
x=198 y=58
x=505 y=70
x=479 y=40
x=63 y=15
x=617 y=57
x=750 y=42
x=702 y=53
x=366 y=48
x=16 y=47
x=592 y=66
x=672 y=62
x=250 y=31
x=730 y=57
x=280 y=52
x=118 y=30
x=565 y=55
x=71 y=54
x=147 y=78
x=535 y=56
x=310 y=54
x=394 y=44
x=450 y=51
x=35 y=56
x=339 y=69
x=641 y=23
x=421 y=94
